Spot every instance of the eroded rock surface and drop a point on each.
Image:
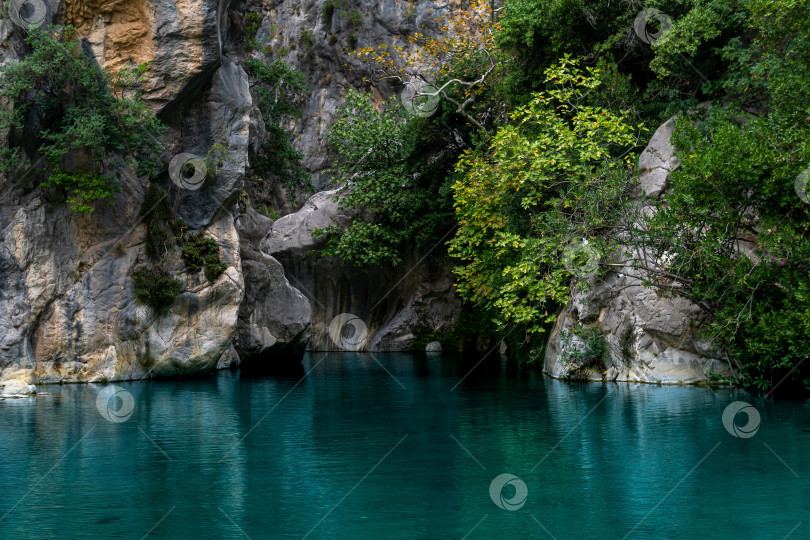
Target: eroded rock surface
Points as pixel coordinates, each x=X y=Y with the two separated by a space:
x=274 y=318
x=650 y=337
x=391 y=307
x=181 y=39
x=67 y=308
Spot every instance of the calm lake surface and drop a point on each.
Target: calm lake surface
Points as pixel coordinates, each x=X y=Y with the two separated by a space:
x=400 y=446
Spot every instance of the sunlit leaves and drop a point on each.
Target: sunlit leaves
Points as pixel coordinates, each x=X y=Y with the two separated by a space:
x=549 y=177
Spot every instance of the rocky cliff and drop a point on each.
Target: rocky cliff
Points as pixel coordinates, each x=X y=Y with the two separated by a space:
x=649 y=336
x=68 y=309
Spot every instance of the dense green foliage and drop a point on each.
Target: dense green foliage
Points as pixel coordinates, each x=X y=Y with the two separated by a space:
x=89 y=122
x=157 y=213
x=547 y=180
x=586 y=82
x=741 y=247
x=156 y=289
x=327 y=12
x=252 y=23
x=200 y=251
x=83 y=188
x=391 y=176
x=278 y=89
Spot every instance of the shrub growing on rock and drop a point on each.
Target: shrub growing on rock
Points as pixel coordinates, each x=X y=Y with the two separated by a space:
x=156 y=288
x=200 y=251
x=92 y=123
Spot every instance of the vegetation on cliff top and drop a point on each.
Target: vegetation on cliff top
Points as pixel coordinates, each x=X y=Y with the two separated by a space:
x=543 y=108
x=81 y=123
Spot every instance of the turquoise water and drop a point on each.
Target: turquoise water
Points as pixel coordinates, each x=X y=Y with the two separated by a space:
x=403 y=448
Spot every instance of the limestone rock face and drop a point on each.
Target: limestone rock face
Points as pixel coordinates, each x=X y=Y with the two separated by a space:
x=650 y=337
x=67 y=303
x=181 y=39
x=229 y=359
x=327 y=61
x=67 y=309
x=219 y=120
x=74 y=317
x=356 y=310
x=17 y=386
x=294 y=232
x=433 y=347
x=657 y=160
x=274 y=318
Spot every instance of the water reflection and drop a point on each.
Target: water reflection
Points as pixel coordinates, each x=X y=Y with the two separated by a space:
x=393 y=446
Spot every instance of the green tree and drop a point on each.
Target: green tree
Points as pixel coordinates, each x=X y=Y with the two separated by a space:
x=550 y=178
x=733 y=229
x=93 y=123
x=278 y=89
x=394 y=178
x=156 y=289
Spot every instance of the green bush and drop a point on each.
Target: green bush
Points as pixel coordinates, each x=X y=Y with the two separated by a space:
x=90 y=117
x=308 y=43
x=397 y=179
x=279 y=93
x=157 y=214
x=253 y=22
x=355 y=17
x=351 y=39
x=214 y=266
x=83 y=188
x=590 y=355
x=200 y=251
x=156 y=289
x=547 y=180
x=214 y=160
x=327 y=11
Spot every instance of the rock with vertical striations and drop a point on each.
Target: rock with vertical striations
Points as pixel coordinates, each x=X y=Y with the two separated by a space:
x=394 y=305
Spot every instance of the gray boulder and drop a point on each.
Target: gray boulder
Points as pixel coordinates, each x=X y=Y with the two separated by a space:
x=274 y=318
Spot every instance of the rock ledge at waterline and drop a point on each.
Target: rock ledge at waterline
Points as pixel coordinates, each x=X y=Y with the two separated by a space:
x=650 y=338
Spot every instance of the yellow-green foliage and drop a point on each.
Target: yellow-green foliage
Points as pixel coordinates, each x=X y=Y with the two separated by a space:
x=546 y=180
